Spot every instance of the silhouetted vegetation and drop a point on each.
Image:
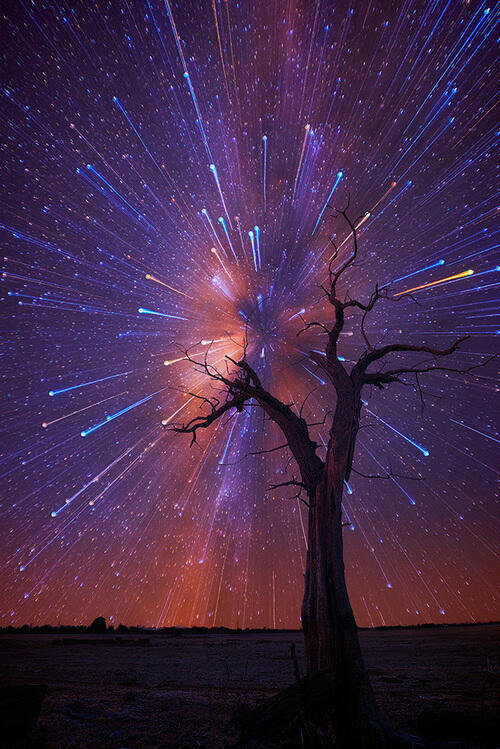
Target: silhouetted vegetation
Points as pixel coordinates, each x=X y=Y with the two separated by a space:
x=75 y=629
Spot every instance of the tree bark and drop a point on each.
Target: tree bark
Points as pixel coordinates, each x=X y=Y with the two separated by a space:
x=330 y=631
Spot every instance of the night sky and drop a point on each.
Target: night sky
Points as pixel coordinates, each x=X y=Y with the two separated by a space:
x=166 y=173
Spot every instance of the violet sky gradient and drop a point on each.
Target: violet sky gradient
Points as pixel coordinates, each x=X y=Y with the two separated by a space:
x=143 y=143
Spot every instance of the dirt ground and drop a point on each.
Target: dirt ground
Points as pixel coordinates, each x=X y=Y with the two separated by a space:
x=137 y=691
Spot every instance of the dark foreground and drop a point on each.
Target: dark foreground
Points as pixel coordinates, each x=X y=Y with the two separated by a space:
x=159 y=691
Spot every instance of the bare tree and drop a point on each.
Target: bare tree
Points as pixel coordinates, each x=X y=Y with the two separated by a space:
x=330 y=632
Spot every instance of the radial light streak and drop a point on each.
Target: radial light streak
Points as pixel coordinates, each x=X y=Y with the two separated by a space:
x=143 y=311
x=90 y=382
x=456 y=277
x=213 y=169
x=214 y=252
x=46 y=424
x=264 y=182
x=297 y=175
x=477 y=431
x=204 y=213
x=414 y=273
x=111 y=417
x=149 y=277
x=252 y=242
x=335 y=184
x=257 y=245
x=421 y=449
x=223 y=224
x=175 y=413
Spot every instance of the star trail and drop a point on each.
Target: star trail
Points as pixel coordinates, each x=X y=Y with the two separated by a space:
x=169 y=176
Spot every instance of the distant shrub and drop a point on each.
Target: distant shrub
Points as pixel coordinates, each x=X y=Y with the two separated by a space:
x=98 y=626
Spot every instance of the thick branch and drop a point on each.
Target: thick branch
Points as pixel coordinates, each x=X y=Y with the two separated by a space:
x=202 y=422
x=313 y=324
x=243 y=386
x=335 y=275
x=393 y=375
x=369 y=357
x=388 y=475
x=271 y=450
x=293 y=482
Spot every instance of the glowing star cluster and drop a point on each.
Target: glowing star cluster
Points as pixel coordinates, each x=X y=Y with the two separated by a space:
x=170 y=173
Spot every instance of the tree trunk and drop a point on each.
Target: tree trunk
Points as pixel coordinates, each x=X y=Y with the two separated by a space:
x=330 y=631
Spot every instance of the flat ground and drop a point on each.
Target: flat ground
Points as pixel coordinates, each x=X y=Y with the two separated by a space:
x=158 y=691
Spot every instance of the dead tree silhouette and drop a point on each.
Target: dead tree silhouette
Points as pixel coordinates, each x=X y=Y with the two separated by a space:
x=330 y=631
